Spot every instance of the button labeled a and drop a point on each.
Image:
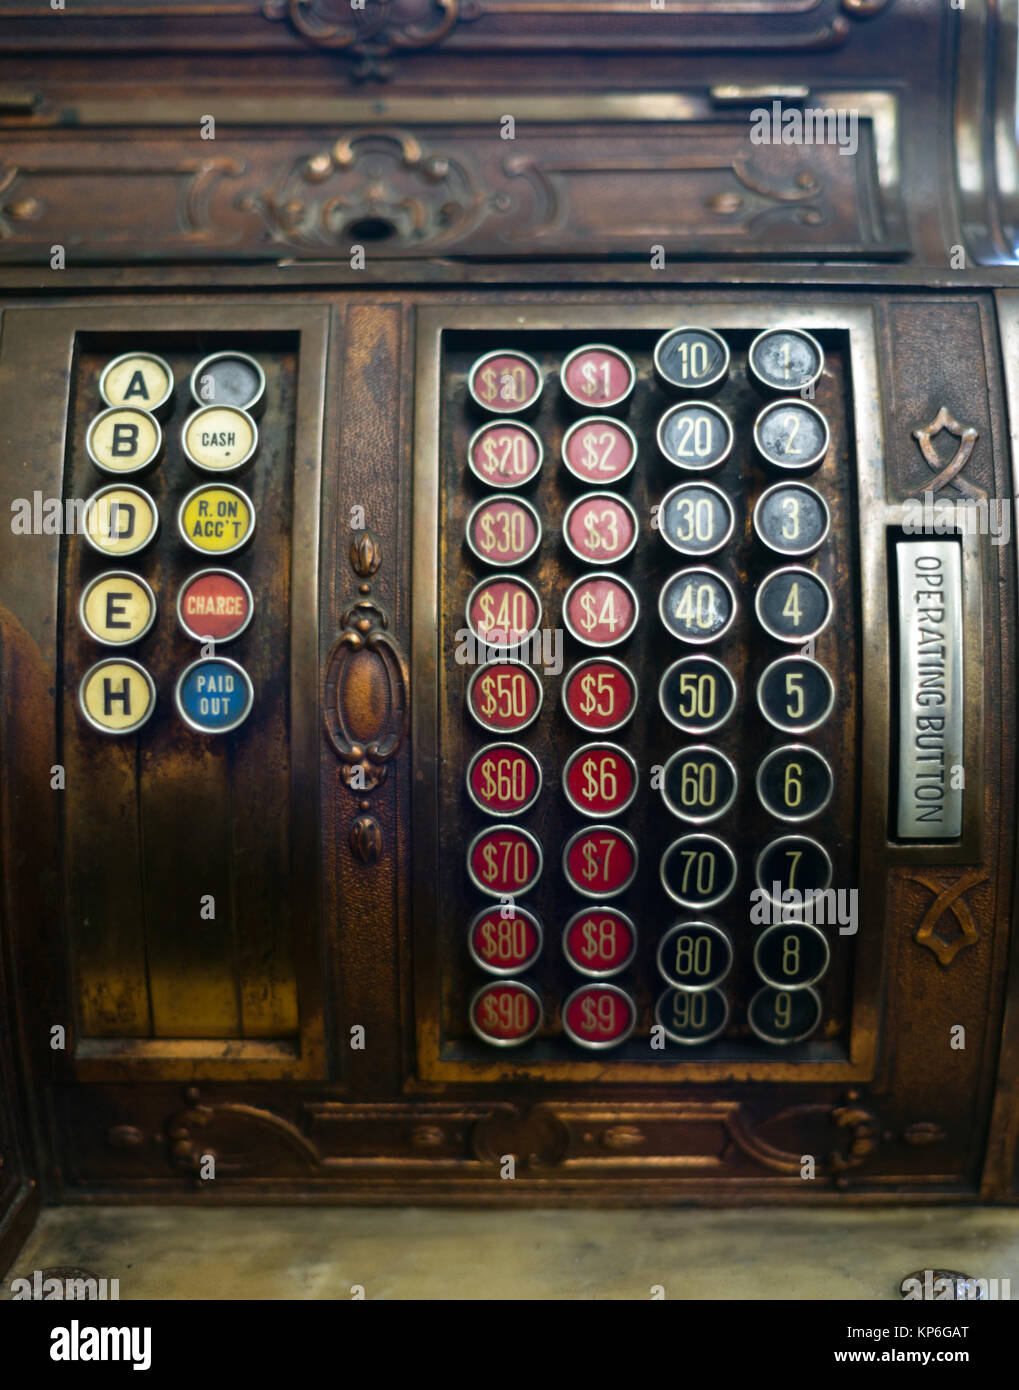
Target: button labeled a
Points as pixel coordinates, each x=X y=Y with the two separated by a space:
x=137 y=378
x=117 y=608
x=116 y=696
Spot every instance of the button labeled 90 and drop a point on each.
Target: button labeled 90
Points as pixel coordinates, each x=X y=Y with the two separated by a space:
x=697 y=605
x=694 y=955
x=599 y=941
x=600 y=528
x=793 y=604
x=695 y=436
x=504 y=941
x=692 y=1017
x=600 y=779
x=791 y=435
x=505 y=1013
x=697 y=694
x=504 y=779
x=599 y=1016
x=503 y=531
x=696 y=518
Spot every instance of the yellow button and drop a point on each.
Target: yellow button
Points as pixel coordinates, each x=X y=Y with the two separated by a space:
x=137 y=378
x=216 y=519
x=124 y=440
x=116 y=696
x=117 y=608
x=219 y=438
x=120 y=520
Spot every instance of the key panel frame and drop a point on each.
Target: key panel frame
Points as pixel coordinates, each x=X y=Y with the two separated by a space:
x=41 y=346
x=513 y=327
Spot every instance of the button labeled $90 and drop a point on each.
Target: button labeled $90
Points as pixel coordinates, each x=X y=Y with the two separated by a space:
x=214 y=695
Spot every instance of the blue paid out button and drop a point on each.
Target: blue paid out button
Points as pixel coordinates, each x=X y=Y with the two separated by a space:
x=214 y=695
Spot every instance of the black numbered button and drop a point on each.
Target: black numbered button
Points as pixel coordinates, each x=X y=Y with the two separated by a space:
x=791 y=435
x=694 y=955
x=697 y=694
x=698 y=871
x=692 y=1017
x=793 y=604
x=699 y=784
x=791 y=519
x=695 y=436
x=792 y=866
x=697 y=605
x=691 y=359
x=795 y=694
x=785 y=359
x=794 y=782
x=696 y=518
x=783 y=1016
x=791 y=955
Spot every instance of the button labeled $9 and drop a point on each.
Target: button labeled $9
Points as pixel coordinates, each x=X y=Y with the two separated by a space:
x=214 y=695
x=117 y=696
x=117 y=608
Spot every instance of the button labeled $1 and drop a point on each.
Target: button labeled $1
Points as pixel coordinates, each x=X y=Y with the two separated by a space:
x=117 y=608
x=214 y=695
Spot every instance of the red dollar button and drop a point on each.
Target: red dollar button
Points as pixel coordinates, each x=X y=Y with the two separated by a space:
x=503 y=531
x=505 y=382
x=504 y=862
x=599 y=941
x=600 y=610
x=597 y=1016
x=503 y=779
x=599 y=695
x=504 y=696
x=504 y=941
x=503 y=612
x=599 y=450
x=600 y=862
x=505 y=1013
x=596 y=375
x=214 y=604
x=600 y=528
x=504 y=455
x=600 y=779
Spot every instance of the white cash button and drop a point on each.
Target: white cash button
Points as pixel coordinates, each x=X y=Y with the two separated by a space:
x=124 y=439
x=116 y=696
x=219 y=439
x=117 y=608
x=120 y=521
x=137 y=378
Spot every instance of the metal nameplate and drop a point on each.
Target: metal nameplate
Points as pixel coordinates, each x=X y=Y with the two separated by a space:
x=931 y=690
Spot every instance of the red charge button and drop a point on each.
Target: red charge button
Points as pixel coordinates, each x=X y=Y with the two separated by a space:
x=597 y=1016
x=214 y=605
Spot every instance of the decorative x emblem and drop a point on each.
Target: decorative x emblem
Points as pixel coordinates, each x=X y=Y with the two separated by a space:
x=947 y=472
x=948 y=898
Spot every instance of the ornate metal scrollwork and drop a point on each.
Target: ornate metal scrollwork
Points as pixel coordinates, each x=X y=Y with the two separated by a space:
x=370 y=33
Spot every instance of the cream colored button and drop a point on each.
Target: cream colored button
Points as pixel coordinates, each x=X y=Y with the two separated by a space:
x=219 y=439
x=137 y=378
x=120 y=520
x=124 y=439
x=116 y=696
x=216 y=519
x=117 y=608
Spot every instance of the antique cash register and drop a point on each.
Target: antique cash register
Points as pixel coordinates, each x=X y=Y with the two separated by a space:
x=508 y=628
